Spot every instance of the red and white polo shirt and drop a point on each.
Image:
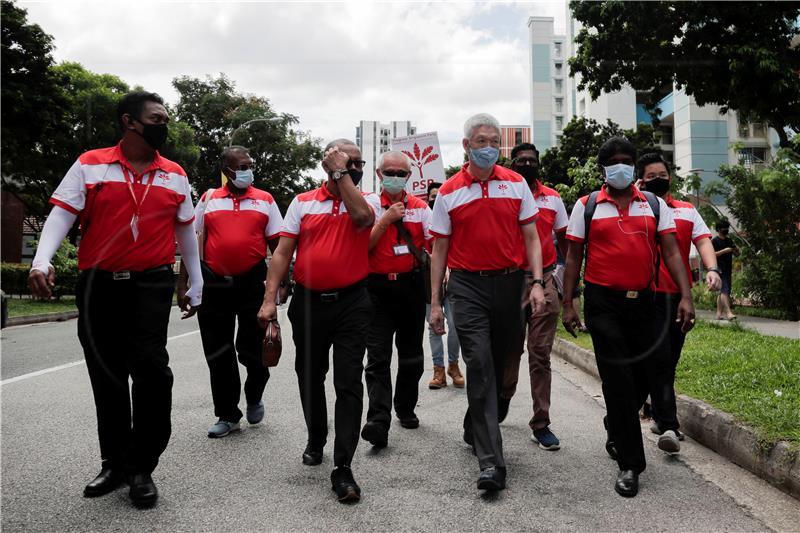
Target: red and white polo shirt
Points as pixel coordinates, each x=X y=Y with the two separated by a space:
x=691 y=228
x=483 y=219
x=97 y=189
x=622 y=245
x=237 y=228
x=552 y=217
x=332 y=252
x=417 y=220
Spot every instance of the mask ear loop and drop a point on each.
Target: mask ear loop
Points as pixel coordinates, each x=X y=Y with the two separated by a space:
x=646 y=234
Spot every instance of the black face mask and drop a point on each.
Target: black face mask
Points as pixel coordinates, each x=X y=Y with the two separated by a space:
x=528 y=172
x=430 y=204
x=355 y=175
x=153 y=134
x=658 y=186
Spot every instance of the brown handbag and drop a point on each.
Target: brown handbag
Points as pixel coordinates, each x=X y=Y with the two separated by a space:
x=271 y=349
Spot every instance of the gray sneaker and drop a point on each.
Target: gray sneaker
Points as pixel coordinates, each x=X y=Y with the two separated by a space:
x=222 y=428
x=668 y=442
x=255 y=412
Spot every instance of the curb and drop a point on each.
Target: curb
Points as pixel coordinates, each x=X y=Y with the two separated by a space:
x=716 y=430
x=44 y=317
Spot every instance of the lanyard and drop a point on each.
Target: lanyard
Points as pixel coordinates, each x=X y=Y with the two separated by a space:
x=137 y=204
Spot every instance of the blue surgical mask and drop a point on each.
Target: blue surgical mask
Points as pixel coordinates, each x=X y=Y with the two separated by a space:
x=244 y=178
x=484 y=157
x=619 y=176
x=393 y=184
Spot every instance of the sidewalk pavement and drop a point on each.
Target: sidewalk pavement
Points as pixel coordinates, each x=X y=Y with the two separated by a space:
x=765 y=326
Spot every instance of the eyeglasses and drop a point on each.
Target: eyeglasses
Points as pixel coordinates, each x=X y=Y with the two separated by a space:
x=662 y=175
x=526 y=161
x=243 y=166
x=358 y=163
x=396 y=173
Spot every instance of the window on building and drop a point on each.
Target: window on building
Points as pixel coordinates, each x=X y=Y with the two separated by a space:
x=559 y=123
x=759 y=130
x=517 y=137
x=582 y=106
x=753 y=156
x=557 y=49
x=559 y=69
x=559 y=86
x=558 y=139
x=666 y=135
x=559 y=105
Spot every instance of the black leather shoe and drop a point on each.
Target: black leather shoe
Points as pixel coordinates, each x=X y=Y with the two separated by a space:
x=409 y=422
x=627 y=483
x=143 y=491
x=611 y=449
x=502 y=409
x=492 y=478
x=375 y=434
x=106 y=481
x=346 y=488
x=312 y=456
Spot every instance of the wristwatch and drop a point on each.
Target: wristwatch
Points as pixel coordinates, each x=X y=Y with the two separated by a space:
x=715 y=269
x=540 y=281
x=339 y=174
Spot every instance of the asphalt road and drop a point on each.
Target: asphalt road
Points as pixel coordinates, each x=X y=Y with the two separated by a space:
x=424 y=480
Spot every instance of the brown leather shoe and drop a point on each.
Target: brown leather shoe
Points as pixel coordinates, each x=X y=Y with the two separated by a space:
x=454 y=372
x=438 y=380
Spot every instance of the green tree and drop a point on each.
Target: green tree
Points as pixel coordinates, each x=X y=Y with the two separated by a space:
x=214 y=110
x=765 y=204
x=738 y=55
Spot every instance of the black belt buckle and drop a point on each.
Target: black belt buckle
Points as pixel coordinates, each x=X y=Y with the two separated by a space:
x=121 y=275
x=329 y=297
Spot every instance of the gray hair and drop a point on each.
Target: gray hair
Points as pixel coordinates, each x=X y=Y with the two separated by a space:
x=476 y=121
x=339 y=142
x=393 y=153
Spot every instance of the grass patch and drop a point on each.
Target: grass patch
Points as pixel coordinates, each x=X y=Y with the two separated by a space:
x=739 y=371
x=28 y=306
x=707 y=300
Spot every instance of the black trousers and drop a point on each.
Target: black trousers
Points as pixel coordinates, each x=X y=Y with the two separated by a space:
x=662 y=393
x=122 y=327
x=320 y=321
x=226 y=300
x=488 y=318
x=399 y=313
x=625 y=342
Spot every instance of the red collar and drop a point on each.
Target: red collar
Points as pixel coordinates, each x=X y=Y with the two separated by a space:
x=118 y=156
x=605 y=197
x=472 y=179
x=669 y=200
x=386 y=201
x=248 y=193
x=538 y=190
x=326 y=194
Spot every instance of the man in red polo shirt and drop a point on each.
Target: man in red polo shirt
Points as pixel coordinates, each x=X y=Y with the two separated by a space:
x=236 y=224
x=330 y=229
x=542 y=326
x=653 y=173
x=479 y=218
x=397 y=289
x=625 y=226
x=133 y=204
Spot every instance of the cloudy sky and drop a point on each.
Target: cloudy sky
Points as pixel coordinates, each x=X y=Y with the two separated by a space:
x=331 y=64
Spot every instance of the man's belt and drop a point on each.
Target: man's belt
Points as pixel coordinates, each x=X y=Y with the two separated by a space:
x=331 y=295
x=620 y=293
x=488 y=273
x=121 y=275
x=394 y=276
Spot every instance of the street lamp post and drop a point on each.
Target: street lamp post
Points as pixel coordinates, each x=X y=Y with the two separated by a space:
x=243 y=124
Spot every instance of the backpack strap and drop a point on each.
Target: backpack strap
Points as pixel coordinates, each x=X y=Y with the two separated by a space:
x=588 y=213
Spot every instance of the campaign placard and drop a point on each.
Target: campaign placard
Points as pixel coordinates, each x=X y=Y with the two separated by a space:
x=426 y=160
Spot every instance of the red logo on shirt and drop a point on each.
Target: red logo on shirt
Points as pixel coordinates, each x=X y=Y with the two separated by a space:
x=163 y=177
x=255 y=203
x=502 y=187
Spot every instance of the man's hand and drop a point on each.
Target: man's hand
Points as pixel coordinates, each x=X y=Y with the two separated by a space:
x=267 y=313
x=536 y=298
x=685 y=314
x=394 y=213
x=335 y=159
x=436 y=320
x=713 y=281
x=283 y=292
x=42 y=286
x=185 y=297
x=570 y=319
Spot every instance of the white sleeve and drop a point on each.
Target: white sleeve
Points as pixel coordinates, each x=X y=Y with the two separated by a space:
x=577 y=226
x=528 y=209
x=561 y=220
x=200 y=211
x=274 y=223
x=699 y=228
x=71 y=192
x=440 y=221
x=291 y=223
x=190 y=256
x=375 y=203
x=186 y=209
x=666 y=220
x=56 y=227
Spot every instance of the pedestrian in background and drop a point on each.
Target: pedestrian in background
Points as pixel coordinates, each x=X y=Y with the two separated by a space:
x=396 y=285
x=132 y=204
x=479 y=218
x=329 y=228
x=725 y=249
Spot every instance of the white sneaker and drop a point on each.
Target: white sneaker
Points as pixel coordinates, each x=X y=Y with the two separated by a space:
x=668 y=442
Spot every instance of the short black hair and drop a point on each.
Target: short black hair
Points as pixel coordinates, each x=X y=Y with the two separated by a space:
x=133 y=104
x=722 y=225
x=230 y=150
x=523 y=147
x=433 y=185
x=614 y=146
x=649 y=159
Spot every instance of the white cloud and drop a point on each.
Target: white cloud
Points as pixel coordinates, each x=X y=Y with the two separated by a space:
x=332 y=64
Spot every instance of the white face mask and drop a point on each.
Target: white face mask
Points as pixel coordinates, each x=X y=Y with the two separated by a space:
x=244 y=178
x=619 y=176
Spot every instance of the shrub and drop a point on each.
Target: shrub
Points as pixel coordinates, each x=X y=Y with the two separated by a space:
x=14 y=278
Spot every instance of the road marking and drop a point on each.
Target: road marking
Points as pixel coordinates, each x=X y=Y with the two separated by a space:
x=74 y=363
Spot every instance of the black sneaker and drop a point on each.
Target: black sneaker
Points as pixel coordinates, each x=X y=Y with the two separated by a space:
x=346 y=488
x=409 y=421
x=492 y=478
x=375 y=434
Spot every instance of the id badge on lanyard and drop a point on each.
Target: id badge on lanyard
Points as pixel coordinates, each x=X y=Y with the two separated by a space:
x=136 y=204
